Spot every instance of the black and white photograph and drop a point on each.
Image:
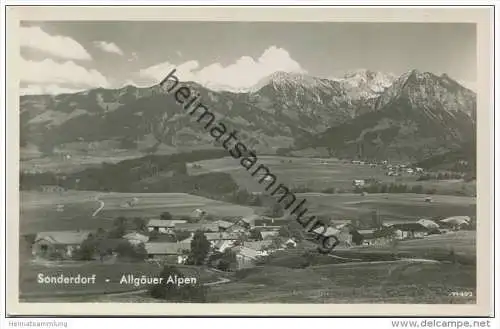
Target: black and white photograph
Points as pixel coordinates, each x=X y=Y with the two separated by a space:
x=248 y=162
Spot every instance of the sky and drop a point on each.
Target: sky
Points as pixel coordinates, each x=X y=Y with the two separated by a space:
x=69 y=56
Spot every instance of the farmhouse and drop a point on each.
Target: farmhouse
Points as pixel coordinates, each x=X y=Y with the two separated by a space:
x=268 y=235
x=215 y=237
x=245 y=257
x=358 y=182
x=260 y=246
x=249 y=221
x=222 y=245
x=377 y=236
x=428 y=223
x=173 y=252
x=222 y=236
x=223 y=225
x=163 y=226
x=269 y=223
x=51 y=188
x=193 y=227
x=456 y=222
x=198 y=214
x=59 y=244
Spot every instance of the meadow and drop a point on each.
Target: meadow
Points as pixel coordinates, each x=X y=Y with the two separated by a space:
x=391 y=207
x=395 y=282
x=39 y=211
x=319 y=174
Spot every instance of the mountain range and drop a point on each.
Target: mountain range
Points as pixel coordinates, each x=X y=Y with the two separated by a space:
x=363 y=114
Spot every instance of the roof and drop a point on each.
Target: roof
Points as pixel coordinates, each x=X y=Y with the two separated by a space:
x=166 y=248
x=165 y=223
x=268 y=234
x=257 y=245
x=457 y=220
x=246 y=252
x=223 y=244
x=410 y=226
x=63 y=237
x=192 y=227
x=221 y=236
x=366 y=233
x=224 y=224
x=250 y=219
x=136 y=236
x=330 y=231
x=428 y=223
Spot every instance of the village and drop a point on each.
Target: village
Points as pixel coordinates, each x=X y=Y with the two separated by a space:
x=227 y=244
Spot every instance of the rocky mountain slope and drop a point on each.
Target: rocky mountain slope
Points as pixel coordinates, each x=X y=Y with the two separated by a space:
x=419 y=116
x=364 y=113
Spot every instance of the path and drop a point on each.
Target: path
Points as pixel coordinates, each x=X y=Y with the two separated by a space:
x=98 y=209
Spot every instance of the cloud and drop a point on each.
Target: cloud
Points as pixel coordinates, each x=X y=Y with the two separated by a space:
x=57 y=45
x=108 y=47
x=49 y=72
x=47 y=90
x=241 y=75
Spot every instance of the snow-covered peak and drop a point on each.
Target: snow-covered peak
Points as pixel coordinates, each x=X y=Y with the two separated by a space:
x=368 y=79
x=280 y=80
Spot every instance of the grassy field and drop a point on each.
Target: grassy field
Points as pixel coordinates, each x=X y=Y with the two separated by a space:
x=379 y=282
x=434 y=247
x=317 y=175
x=391 y=207
x=39 y=213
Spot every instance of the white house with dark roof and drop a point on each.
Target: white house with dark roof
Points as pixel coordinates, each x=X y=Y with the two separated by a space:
x=163 y=226
x=175 y=252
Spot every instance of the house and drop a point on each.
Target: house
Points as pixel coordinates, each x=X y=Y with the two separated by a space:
x=245 y=257
x=377 y=236
x=248 y=221
x=215 y=237
x=290 y=243
x=193 y=227
x=358 y=182
x=224 y=225
x=330 y=231
x=173 y=252
x=344 y=235
x=428 y=223
x=51 y=188
x=58 y=244
x=198 y=214
x=222 y=245
x=456 y=222
x=368 y=236
x=409 y=230
x=269 y=235
x=135 y=238
x=261 y=247
x=236 y=228
x=269 y=223
x=163 y=226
